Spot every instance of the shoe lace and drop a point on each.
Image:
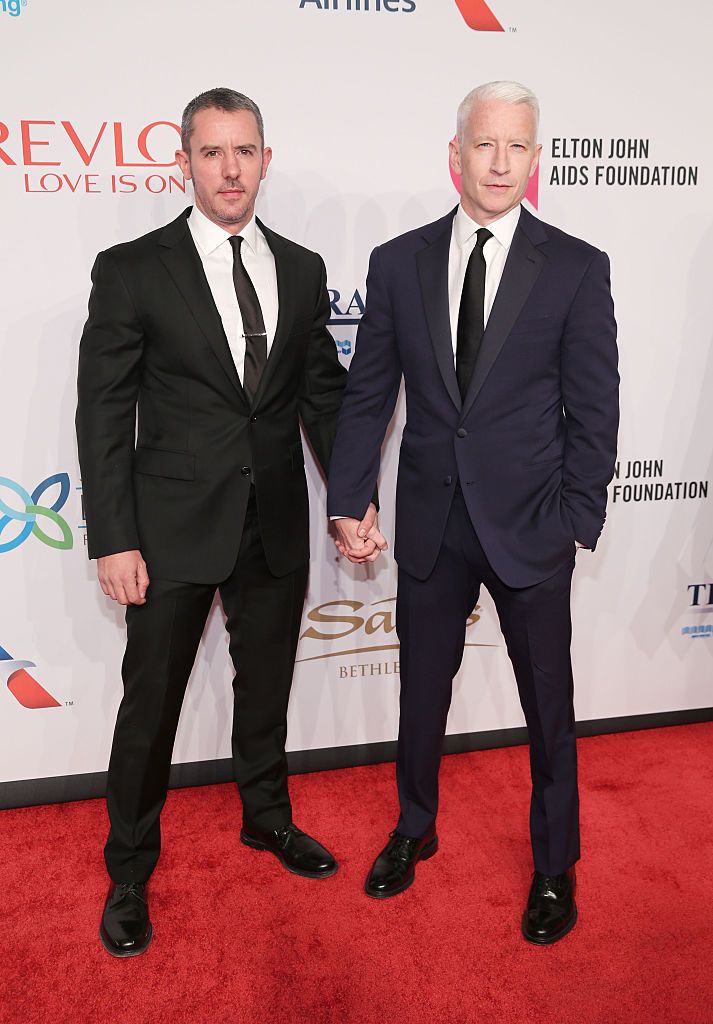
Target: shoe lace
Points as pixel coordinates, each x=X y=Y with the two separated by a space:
x=285 y=833
x=400 y=847
x=549 y=885
x=136 y=889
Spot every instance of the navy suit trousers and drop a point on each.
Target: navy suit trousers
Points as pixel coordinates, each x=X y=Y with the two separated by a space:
x=536 y=623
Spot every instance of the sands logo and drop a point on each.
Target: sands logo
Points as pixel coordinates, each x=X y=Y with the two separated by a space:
x=24 y=687
x=478 y=16
x=345 y=629
x=533 y=186
x=12 y=7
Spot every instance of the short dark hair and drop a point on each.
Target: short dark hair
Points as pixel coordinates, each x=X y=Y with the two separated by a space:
x=218 y=99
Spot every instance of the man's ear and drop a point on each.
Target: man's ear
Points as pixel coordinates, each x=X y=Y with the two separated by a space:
x=184 y=162
x=454 y=156
x=535 y=159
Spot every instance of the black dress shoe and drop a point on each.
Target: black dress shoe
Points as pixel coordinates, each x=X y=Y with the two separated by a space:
x=298 y=852
x=551 y=911
x=125 y=928
x=395 y=868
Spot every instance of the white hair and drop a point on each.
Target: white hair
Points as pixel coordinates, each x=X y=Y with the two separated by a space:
x=506 y=92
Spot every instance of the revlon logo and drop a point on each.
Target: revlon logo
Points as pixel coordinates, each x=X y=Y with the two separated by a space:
x=35 y=142
x=109 y=145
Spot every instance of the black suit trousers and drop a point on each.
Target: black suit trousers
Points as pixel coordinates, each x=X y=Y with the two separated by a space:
x=263 y=615
x=431 y=621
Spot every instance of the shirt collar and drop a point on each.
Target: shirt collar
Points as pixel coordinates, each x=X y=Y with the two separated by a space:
x=208 y=236
x=464 y=227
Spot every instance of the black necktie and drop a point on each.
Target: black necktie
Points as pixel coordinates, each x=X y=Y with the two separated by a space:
x=471 y=316
x=253 y=323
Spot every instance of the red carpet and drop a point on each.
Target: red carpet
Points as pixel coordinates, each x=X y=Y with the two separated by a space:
x=238 y=940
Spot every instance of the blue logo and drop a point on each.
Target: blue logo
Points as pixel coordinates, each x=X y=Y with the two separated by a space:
x=346 y=312
x=701 y=601
x=12 y=7
x=30 y=511
x=696 y=631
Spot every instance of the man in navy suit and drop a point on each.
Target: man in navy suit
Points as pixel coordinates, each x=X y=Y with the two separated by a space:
x=503 y=329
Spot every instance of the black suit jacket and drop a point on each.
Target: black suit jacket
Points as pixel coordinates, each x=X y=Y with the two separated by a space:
x=533 y=444
x=176 y=484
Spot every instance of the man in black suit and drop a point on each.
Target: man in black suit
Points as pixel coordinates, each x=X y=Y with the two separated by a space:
x=503 y=329
x=215 y=328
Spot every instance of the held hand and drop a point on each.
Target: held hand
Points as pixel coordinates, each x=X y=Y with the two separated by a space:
x=360 y=541
x=123 y=577
x=369 y=528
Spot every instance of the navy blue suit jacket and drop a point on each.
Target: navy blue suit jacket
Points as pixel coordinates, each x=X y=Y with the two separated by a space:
x=534 y=442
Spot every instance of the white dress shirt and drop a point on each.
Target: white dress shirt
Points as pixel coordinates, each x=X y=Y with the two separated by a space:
x=495 y=251
x=216 y=253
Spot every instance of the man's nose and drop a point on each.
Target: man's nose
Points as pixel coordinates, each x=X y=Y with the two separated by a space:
x=501 y=160
x=231 y=166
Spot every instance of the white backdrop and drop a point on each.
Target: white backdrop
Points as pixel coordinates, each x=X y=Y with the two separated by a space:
x=359 y=106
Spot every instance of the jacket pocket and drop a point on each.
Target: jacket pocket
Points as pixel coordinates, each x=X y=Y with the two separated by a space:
x=163 y=462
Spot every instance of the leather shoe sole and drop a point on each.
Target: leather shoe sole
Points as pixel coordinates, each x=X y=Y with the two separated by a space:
x=429 y=850
x=257 y=844
x=538 y=941
x=122 y=954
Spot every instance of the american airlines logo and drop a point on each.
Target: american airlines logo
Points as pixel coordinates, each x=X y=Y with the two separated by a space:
x=388 y=6
x=23 y=686
x=478 y=16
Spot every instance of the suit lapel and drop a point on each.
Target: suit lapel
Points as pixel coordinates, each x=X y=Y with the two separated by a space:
x=183 y=263
x=522 y=268
x=432 y=263
x=280 y=248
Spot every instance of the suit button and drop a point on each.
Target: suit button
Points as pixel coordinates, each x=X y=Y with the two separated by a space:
x=461 y=432
x=245 y=470
x=253 y=419
x=448 y=481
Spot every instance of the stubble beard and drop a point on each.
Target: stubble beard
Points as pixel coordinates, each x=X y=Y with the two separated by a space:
x=225 y=214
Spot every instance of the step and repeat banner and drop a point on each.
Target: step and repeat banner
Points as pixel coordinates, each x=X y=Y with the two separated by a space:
x=359 y=99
